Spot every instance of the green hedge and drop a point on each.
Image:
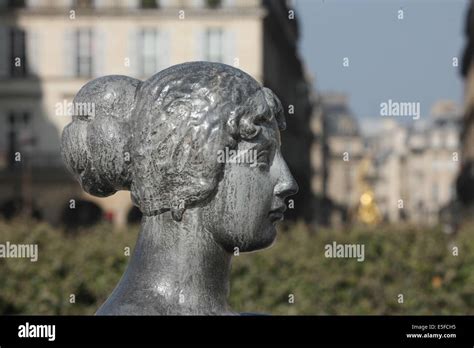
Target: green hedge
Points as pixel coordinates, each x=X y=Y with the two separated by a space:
x=417 y=263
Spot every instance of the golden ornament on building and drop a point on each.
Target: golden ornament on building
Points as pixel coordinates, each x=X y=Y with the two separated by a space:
x=367 y=210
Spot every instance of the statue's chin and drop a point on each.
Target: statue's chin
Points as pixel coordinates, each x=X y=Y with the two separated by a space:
x=263 y=239
x=233 y=241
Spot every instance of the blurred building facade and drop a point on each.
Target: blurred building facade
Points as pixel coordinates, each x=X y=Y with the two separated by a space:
x=319 y=162
x=415 y=167
x=335 y=156
x=409 y=169
x=50 y=48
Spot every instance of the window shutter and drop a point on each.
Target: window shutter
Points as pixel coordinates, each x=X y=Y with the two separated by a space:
x=166 y=3
x=100 y=3
x=133 y=3
x=32 y=51
x=70 y=53
x=200 y=42
x=4 y=51
x=133 y=49
x=33 y=3
x=229 y=47
x=68 y=3
x=163 y=49
x=99 y=54
x=198 y=3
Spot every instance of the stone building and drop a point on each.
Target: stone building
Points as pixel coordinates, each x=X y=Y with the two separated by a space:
x=50 y=48
x=319 y=163
x=416 y=165
x=336 y=158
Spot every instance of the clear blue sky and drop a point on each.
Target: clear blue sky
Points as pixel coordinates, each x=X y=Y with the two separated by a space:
x=402 y=60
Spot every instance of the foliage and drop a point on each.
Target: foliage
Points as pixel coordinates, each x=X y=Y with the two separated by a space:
x=399 y=259
x=417 y=263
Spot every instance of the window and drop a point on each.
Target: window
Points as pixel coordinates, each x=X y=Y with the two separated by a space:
x=17 y=52
x=452 y=140
x=84 y=3
x=149 y=4
x=151 y=51
x=83 y=42
x=17 y=128
x=436 y=140
x=213 y=45
x=213 y=3
x=435 y=193
x=16 y=3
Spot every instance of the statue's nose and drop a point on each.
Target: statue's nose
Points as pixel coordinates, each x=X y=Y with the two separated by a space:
x=286 y=185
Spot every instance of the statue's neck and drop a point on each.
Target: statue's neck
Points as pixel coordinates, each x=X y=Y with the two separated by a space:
x=176 y=268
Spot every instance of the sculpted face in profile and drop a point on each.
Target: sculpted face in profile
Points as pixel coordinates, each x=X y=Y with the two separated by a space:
x=198 y=146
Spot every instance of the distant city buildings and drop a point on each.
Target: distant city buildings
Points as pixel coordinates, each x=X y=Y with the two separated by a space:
x=50 y=48
x=410 y=170
x=319 y=158
x=416 y=166
x=336 y=153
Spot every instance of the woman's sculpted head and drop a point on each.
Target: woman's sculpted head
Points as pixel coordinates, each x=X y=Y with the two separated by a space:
x=198 y=146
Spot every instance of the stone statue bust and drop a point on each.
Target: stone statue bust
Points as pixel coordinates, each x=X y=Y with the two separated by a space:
x=164 y=139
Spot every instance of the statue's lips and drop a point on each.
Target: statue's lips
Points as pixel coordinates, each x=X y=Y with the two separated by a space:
x=277 y=214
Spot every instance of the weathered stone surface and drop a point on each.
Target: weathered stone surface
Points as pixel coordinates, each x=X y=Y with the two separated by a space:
x=161 y=139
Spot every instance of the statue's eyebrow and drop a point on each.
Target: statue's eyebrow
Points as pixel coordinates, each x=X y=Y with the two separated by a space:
x=261 y=145
x=267 y=143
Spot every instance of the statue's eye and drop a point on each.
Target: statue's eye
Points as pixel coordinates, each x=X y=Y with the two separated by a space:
x=262 y=154
x=263 y=158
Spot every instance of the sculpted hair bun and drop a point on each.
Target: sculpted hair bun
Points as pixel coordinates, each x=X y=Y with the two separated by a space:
x=94 y=145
